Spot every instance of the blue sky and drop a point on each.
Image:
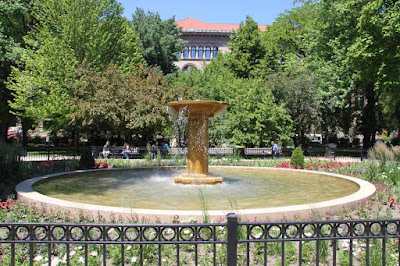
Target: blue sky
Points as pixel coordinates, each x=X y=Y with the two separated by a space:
x=213 y=11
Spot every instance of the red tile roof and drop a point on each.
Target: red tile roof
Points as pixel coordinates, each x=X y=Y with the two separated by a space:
x=192 y=24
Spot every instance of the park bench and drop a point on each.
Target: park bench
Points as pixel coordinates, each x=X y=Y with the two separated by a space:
x=115 y=152
x=257 y=151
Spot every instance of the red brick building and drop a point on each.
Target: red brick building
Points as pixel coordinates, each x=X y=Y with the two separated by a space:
x=204 y=41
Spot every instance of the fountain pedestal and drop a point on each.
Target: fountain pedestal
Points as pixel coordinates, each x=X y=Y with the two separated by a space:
x=198 y=113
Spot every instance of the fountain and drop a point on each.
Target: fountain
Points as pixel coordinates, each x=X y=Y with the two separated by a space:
x=252 y=192
x=198 y=112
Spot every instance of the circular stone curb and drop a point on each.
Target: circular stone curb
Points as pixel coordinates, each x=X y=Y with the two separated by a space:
x=25 y=192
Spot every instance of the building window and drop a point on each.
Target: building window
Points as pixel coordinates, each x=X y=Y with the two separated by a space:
x=201 y=52
x=215 y=51
x=179 y=54
x=208 y=52
x=188 y=68
x=186 y=53
x=193 y=52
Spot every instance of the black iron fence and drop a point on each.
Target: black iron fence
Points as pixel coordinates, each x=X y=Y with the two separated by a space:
x=47 y=153
x=65 y=153
x=344 y=242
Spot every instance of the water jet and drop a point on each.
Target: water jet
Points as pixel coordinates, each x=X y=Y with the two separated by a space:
x=198 y=113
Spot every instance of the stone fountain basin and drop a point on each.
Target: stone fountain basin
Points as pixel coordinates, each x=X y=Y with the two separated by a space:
x=198 y=107
x=26 y=192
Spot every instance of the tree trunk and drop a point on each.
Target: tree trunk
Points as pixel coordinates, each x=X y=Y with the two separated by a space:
x=397 y=113
x=76 y=137
x=369 y=121
x=26 y=125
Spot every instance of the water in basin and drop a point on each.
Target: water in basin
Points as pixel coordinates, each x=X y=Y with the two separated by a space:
x=154 y=188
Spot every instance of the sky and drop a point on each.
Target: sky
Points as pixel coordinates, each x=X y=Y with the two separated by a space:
x=263 y=12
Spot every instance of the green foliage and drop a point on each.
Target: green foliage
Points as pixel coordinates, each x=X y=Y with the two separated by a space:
x=58 y=46
x=354 y=46
x=159 y=39
x=296 y=88
x=96 y=31
x=86 y=161
x=110 y=102
x=297 y=158
x=246 y=49
x=252 y=118
x=42 y=89
x=15 y=22
x=381 y=152
x=286 y=38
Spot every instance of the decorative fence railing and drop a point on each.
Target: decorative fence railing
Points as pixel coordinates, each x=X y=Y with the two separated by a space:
x=342 y=242
x=66 y=153
x=47 y=153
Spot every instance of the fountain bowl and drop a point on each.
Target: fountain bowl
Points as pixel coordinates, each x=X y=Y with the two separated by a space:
x=198 y=107
x=366 y=190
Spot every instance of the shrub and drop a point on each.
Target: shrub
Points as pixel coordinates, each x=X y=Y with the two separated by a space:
x=86 y=160
x=381 y=152
x=396 y=152
x=297 y=158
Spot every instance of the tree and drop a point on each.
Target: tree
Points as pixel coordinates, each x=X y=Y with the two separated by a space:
x=69 y=32
x=247 y=50
x=111 y=102
x=252 y=118
x=159 y=39
x=297 y=88
x=15 y=22
x=286 y=37
x=360 y=38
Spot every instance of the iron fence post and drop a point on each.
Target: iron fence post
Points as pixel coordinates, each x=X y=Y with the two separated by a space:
x=232 y=242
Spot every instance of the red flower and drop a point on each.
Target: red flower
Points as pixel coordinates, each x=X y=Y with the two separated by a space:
x=44 y=164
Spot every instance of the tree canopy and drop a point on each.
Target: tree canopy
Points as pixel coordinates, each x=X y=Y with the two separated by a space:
x=15 y=22
x=159 y=39
x=327 y=66
x=252 y=118
x=67 y=34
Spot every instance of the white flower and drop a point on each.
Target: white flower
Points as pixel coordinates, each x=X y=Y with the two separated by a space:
x=64 y=259
x=134 y=259
x=72 y=253
x=186 y=231
x=357 y=251
x=93 y=253
x=55 y=261
x=258 y=235
x=128 y=247
x=308 y=234
x=81 y=260
x=222 y=228
x=192 y=220
x=38 y=258
x=345 y=244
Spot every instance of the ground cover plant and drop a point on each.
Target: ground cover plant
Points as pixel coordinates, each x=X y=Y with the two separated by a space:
x=384 y=204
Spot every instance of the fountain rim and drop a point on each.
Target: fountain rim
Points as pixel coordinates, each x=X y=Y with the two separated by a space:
x=216 y=107
x=366 y=190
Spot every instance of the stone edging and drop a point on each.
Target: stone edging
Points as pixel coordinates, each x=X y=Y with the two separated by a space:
x=367 y=190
